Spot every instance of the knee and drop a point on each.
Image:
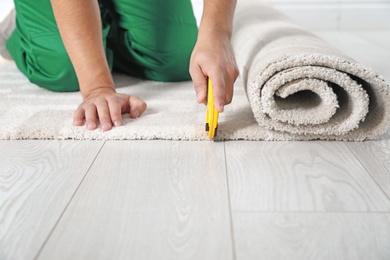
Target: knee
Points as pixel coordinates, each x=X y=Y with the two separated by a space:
x=168 y=55
x=55 y=72
x=174 y=68
x=45 y=62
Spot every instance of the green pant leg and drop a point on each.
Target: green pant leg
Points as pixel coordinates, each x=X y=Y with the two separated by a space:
x=37 y=48
x=153 y=39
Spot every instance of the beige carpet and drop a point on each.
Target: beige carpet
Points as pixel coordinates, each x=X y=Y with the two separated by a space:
x=298 y=87
x=29 y=112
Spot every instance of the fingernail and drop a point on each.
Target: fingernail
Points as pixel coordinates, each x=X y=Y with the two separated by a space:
x=117 y=123
x=106 y=126
x=77 y=122
x=91 y=126
x=137 y=114
x=220 y=108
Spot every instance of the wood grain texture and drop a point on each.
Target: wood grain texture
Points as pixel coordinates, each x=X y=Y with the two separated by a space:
x=300 y=176
x=148 y=200
x=37 y=180
x=319 y=236
x=375 y=157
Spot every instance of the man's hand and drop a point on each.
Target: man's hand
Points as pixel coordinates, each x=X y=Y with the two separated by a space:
x=107 y=106
x=213 y=54
x=213 y=57
x=80 y=27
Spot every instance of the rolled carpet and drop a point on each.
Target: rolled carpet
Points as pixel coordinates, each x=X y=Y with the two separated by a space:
x=299 y=86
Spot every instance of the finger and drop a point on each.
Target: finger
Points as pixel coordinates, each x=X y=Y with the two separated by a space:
x=219 y=88
x=137 y=106
x=103 y=112
x=115 y=108
x=78 y=116
x=229 y=90
x=230 y=78
x=90 y=117
x=200 y=84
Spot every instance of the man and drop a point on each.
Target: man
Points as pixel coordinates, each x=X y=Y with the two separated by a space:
x=74 y=44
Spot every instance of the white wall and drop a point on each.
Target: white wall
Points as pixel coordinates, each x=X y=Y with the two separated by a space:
x=337 y=14
x=5 y=7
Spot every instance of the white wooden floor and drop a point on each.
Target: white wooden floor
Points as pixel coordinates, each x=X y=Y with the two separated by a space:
x=201 y=200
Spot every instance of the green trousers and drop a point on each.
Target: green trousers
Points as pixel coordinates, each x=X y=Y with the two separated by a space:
x=150 y=39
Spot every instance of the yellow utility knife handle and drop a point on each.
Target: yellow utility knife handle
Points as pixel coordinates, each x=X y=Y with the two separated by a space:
x=211 y=113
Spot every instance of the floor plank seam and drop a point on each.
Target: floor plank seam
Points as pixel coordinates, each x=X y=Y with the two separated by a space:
x=367 y=171
x=230 y=205
x=67 y=205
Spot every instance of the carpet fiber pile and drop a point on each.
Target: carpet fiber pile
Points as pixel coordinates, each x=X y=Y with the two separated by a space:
x=293 y=86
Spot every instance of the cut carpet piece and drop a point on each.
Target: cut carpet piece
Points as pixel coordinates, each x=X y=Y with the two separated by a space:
x=298 y=87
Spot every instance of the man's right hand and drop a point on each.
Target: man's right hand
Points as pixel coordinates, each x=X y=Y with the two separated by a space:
x=107 y=106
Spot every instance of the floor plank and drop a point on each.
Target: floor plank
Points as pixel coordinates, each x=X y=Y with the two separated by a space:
x=37 y=181
x=375 y=157
x=148 y=200
x=319 y=236
x=300 y=176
